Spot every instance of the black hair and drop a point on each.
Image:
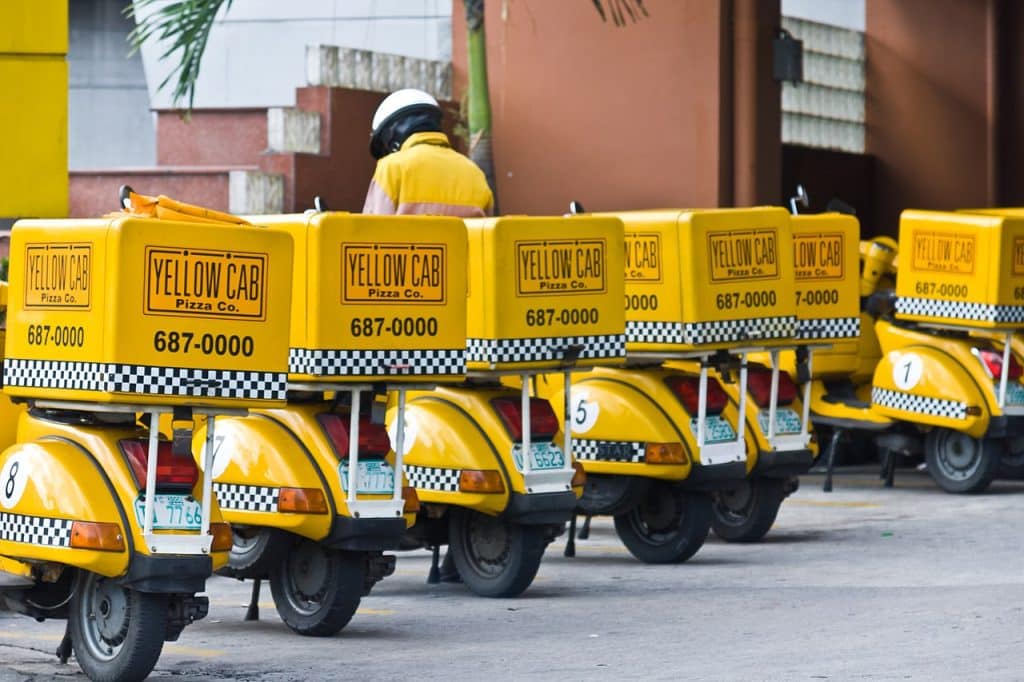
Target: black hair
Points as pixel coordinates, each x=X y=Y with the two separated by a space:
x=389 y=136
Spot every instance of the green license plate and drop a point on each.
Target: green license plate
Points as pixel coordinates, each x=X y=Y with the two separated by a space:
x=171 y=512
x=376 y=477
x=543 y=455
x=716 y=429
x=786 y=421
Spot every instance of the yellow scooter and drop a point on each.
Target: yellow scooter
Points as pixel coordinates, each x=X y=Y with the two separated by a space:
x=313 y=490
x=660 y=437
x=493 y=478
x=103 y=522
x=949 y=392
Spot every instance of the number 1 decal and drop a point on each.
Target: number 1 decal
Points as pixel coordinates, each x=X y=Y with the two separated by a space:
x=907 y=371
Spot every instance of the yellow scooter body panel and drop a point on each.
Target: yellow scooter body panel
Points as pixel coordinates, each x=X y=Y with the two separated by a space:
x=376 y=296
x=932 y=380
x=78 y=469
x=708 y=279
x=545 y=288
x=617 y=412
x=258 y=455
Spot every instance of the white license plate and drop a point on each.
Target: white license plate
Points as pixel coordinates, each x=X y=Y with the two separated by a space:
x=171 y=512
x=716 y=429
x=1014 y=393
x=375 y=477
x=543 y=455
x=786 y=421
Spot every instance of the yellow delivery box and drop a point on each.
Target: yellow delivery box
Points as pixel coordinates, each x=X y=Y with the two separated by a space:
x=145 y=311
x=709 y=279
x=961 y=269
x=545 y=292
x=376 y=297
x=826 y=265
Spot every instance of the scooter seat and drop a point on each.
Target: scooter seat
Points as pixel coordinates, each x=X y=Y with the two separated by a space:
x=848 y=401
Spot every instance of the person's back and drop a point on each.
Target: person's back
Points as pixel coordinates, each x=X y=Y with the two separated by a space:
x=418 y=172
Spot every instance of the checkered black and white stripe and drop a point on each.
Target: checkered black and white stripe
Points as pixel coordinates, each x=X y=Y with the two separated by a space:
x=828 y=328
x=246 y=497
x=595 y=346
x=654 y=332
x=908 y=402
x=608 y=450
x=433 y=478
x=145 y=379
x=35 y=530
x=395 y=362
x=960 y=311
x=750 y=329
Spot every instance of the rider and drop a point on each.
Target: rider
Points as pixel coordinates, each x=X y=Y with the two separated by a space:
x=418 y=172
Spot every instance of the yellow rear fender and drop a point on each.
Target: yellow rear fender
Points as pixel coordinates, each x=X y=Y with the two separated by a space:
x=449 y=435
x=52 y=493
x=617 y=414
x=255 y=459
x=929 y=386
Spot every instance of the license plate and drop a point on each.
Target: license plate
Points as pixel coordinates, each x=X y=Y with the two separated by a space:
x=543 y=455
x=171 y=512
x=1014 y=393
x=786 y=421
x=716 y=429
x=375 y=477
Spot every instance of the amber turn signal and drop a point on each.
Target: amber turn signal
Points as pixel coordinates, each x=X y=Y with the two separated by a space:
x=222 y=539
x=412 y=500
x=579 y=476
x=105 y=537
x=665 y=453
x=474 y=481
x=302 y=501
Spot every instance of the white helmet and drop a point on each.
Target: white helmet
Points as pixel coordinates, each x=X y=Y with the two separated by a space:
x=394 y=107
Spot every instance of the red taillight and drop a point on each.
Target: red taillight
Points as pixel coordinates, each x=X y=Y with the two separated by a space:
x=759 y=384
x=543 y=421
x=373 y=438
x=172 y=471
x=687 y=389
x=992 y=360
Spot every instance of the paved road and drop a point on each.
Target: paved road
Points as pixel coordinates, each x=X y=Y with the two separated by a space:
x=860 y=584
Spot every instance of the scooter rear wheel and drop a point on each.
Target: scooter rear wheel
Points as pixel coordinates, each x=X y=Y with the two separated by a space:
x=1012 y=463
x=666 y=528
x=960 y=463
x=747 y=512
x=317 y=590
x=495 y=557
x=254 y=551
x=116 y=633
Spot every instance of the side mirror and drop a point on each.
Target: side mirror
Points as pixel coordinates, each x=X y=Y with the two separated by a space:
x=839 y=206
x=799 y=198
x=576 y=208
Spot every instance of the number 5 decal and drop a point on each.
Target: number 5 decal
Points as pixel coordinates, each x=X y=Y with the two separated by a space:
x=13 y=479
x=907 y=371
x=584 y=412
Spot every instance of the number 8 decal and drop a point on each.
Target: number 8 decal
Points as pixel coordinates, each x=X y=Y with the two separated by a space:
x=13 y=479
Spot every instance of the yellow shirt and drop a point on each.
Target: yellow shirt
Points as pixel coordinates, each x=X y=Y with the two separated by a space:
x=427 y=177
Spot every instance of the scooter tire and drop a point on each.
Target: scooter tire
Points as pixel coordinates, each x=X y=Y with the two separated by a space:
x=334 y=579
x=254 y=552
x=669 y=527
x=495 y=557
x=1012 y=463
x=141 y=635
x=942 y=447
x=747 y=514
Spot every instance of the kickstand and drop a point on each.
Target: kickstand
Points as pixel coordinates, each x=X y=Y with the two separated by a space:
x=830 y=459
x=888 y=467
x=64 y=648
x=434 y=577
x=570 y=544
x=585 y=530
x=253 y=612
